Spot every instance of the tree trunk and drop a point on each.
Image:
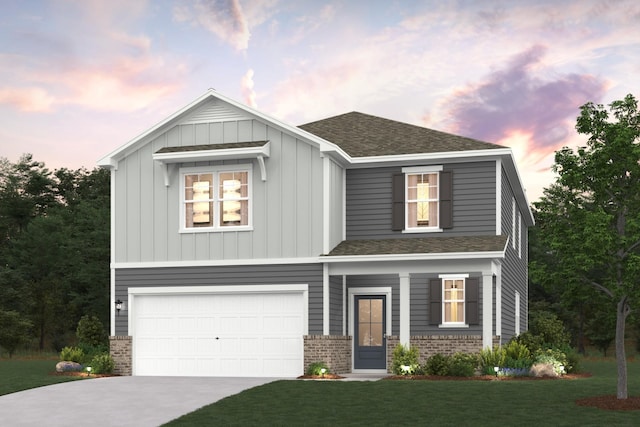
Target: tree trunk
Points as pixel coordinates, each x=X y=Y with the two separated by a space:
x=621 y=359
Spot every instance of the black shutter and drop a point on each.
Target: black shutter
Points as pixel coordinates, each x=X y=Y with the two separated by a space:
x=446 y=199
x=435 y=301
x=397 y=198
x=472 y=301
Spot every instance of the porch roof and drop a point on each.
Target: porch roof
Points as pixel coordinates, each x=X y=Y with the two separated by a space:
x=420 y=245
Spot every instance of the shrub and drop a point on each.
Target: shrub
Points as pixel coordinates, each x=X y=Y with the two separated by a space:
x=463 y=365
x=316 y=368
x=405 y=360
x=102 y=364
x=72 y=354
x=490 y=358
x=517 y=351
x=91 y=333
x=532 y=342
x=437 y=364
x=549 y=328
x=553 y=357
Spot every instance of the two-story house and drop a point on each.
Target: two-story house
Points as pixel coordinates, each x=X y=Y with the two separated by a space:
x=245 y=246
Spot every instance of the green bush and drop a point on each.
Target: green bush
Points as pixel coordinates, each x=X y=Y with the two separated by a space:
x=72 y=354
x=549 y=329
x=463 y=365
x=316 y=368
x=102 y=364
x=91 y=333
x=554 y=357
x=517 y=351
x=405 y=360
x=437 y=364
x=490 y=358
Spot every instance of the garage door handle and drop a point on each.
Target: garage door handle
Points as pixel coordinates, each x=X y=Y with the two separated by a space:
x=217 y=338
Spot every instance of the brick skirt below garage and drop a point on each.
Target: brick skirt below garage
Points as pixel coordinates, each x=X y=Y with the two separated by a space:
x=334 y=350
x=120 y=350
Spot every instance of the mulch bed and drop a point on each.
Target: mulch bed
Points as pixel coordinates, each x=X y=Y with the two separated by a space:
x=320 y=377
x=79 y=374
x=484 y=377
x=611 y=402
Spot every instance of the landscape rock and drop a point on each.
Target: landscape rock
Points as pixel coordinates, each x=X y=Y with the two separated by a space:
x=543 y=370
x=68 y=367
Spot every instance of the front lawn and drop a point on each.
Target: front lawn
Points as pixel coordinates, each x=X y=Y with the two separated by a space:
x=23 y=374
x=386 y=402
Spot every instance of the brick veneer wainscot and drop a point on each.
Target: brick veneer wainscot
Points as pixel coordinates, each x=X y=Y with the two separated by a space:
x=334 y=350
x=120 y=350
x=443 y=344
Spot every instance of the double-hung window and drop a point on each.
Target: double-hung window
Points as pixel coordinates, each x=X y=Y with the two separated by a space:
x=216 y=198
x=453 y=300
x=422 y=199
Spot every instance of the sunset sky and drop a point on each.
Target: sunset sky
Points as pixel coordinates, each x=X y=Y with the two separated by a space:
x=79 y=78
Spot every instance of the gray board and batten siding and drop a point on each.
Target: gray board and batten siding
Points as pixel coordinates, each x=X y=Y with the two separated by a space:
x=295 y=274
x=369 y=201
x=287 y=207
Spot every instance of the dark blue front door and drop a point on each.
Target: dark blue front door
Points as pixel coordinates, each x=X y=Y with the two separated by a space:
x=370 y=348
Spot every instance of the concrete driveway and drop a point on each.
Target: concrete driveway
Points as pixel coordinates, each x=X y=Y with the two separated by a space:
x=117 y=401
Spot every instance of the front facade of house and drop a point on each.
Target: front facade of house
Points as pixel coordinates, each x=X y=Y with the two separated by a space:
x=245 y=246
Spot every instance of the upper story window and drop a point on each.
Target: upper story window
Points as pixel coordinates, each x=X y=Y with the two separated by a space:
x=422 y=199
x=216 y=198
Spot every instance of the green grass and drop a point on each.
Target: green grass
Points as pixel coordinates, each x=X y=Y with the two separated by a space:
x=23 y=374
x=459 y=403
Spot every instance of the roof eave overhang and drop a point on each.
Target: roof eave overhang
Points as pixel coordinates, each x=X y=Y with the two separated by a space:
x=213 y=155
x=413 y=257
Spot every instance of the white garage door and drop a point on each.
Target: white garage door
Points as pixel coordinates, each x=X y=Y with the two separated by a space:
x=222 y=334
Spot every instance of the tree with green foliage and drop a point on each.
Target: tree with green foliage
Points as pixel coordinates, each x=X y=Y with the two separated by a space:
x=14 y=330
x=591 y=213
x=54 y=243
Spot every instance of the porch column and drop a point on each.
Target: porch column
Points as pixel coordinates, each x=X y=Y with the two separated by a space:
x=497 y=267
x=487 y=310
x=405 y=306
x=325 y=299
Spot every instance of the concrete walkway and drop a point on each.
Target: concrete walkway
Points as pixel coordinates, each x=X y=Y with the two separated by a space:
x=117 y=401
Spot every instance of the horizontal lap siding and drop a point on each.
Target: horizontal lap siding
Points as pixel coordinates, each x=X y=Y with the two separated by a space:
x=310 y=274
x=369 y=201
x=514 y=268
x=335 y=305
x=419 y=309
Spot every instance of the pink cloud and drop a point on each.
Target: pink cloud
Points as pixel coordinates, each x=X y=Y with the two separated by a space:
x=30 y=99
x=246 y=86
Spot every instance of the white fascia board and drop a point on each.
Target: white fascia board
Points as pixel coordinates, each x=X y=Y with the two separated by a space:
x=212 y=155
x=414 y=257
x=113 y=156
x=514 y=174
x=430 y=157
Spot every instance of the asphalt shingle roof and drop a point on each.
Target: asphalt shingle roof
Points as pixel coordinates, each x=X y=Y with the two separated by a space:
x=420 y=245
x=363 y=135
x=206 y=147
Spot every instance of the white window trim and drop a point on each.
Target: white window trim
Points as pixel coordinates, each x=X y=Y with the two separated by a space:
x=517 y=313
x=420 y=170
x=513 y=223
x=464 y=278
x=214 y=170
x=519 y=235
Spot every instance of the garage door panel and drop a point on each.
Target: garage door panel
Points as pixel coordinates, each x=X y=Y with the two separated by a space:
x=251 y=334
